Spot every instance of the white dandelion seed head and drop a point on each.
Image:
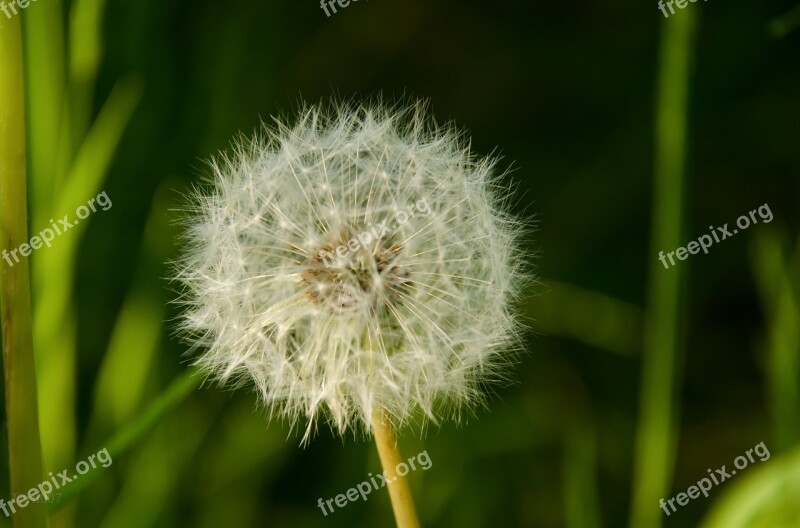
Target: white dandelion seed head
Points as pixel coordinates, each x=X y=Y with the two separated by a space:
x=358 y=261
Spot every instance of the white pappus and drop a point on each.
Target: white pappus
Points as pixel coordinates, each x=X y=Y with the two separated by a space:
x=410 y=321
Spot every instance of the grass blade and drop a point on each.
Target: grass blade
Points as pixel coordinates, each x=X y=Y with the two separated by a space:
x=24 y=446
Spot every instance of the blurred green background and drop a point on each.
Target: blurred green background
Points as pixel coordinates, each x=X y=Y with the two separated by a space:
x=636 y=380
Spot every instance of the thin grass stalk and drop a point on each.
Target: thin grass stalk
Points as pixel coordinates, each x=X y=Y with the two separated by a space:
x=658 y=414
x=778 y=288
x=130 y=435
x=46 y=93
x=24 y=448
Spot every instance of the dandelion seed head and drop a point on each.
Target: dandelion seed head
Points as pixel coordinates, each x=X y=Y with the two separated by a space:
x=360 y=259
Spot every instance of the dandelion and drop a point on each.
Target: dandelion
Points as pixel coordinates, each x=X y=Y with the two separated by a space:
x=356 y=268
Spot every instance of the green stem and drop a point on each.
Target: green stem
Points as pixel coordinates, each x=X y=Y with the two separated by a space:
x=126 y=438
x=656 y=435
x=24 y=448
x=44 y=50
x=776 y=281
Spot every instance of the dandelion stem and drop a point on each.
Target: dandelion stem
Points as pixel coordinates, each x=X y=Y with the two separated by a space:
x=399 y=491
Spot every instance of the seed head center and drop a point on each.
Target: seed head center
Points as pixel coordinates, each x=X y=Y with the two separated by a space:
x=344 y=276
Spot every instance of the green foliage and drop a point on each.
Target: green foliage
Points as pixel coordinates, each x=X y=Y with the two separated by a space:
x=630 y=134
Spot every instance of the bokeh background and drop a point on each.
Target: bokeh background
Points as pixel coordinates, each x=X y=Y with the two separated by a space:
x=636 y=379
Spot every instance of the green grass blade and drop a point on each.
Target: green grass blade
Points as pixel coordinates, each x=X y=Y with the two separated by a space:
x=126 y=438
x=780 y=304
x=95 y=155
x=590 y=317
x=46 y=93
x=656 y=437
x=25 y=453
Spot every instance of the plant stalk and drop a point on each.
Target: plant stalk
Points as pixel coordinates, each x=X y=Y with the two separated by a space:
x=399 y=491
x=24 y=448
x=656 y=438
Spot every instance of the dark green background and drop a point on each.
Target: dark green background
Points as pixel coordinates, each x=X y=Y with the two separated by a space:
x=566 y=94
